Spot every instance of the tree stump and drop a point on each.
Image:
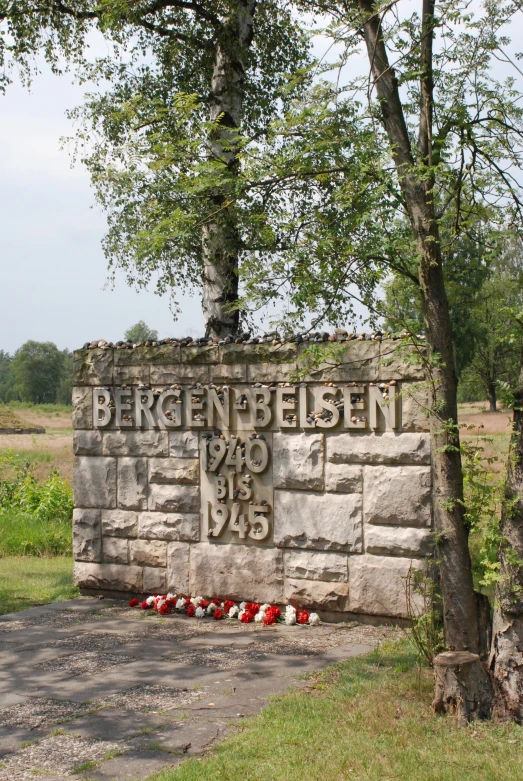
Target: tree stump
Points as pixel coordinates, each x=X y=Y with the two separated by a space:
x=463 y=687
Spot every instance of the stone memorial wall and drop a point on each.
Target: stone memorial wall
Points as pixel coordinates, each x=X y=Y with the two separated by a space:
x=212 y=470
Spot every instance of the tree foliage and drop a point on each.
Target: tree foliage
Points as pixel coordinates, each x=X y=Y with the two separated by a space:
x=37 y=371
x=140 y=332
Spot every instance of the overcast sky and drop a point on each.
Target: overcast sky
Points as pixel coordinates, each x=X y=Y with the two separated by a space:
x=53 y=271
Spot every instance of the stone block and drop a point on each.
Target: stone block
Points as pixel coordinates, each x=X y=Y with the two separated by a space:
x=87 y=544
x=94 y=481
x=224 y=373
x=114 y=577
x=174 y=498
x=298 y=461
x=315 y=565
x=398 y=361
x=307 y=520
x=377 y=585
x=132 y=483
x=183 y=444
x=267 y=372
x=397 y=541
x=116 y=550
x=316 y=594
x=93 y=367
x=414 y=404
x=154 y=580
x=182 y=373
x=169 y=526
x=82 y=401
x=388 y=448
x=237 y=572
x=149 y=553
x=200 y=355
x=174 y=470
x=119 y=523
x=343 y=478
x=87 y=443
x=136 y=443
x=165 y=354
x=356 y=361
x=259 y=353
x=178 y=567
x=132 y=375
x=397 y=495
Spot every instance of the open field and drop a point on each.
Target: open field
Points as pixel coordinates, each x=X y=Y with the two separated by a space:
x=49 y=451
x=9 y=419
x=26 y=581
x=493 y=426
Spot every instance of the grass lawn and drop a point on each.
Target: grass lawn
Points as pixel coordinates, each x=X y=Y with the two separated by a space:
x=365 y=719
x=26 y=581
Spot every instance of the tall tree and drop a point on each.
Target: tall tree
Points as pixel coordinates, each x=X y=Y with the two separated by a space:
x=188 y=78
x=140 y=332
x=37 y=371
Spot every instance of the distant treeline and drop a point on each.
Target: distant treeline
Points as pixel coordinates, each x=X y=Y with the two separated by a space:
x=38 y=372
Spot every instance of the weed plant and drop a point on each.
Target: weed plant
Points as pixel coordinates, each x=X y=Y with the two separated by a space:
x=35 y=516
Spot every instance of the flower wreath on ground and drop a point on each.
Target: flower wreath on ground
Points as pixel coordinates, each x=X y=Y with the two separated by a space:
x=245 y=612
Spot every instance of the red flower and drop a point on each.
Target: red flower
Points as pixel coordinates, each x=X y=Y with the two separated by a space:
x=252 y=607
x=247 y=617
x=165 y=609
x=191 y=611
x=228 y=604
x=303 y=617
x=216 y=602
x=203 y=603
x=134 y=602
x=144 y=605
x=218 y=614
x=187 y=601
x=271 y=615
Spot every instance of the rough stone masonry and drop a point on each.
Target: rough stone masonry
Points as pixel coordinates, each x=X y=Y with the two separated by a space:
x=213 y=470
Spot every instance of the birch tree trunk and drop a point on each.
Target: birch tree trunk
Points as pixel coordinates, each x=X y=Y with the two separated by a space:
x=459 y=602
x=506 y=657
x=220 y=240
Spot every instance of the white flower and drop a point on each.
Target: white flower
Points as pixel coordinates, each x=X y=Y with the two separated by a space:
x=196 y=601
x=260 y=616
x=290 y=615
x=314 y=619
x=264 y=607
x=242 y=605
x=211 y=608
x=200 y=612
x=171 y=596
x=180 y=604
x=150 y=600
x=233 y=612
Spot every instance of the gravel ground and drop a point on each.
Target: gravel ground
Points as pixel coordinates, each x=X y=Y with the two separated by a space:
x=56 y=755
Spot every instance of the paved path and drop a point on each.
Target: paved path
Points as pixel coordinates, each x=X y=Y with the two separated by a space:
x=113 y=693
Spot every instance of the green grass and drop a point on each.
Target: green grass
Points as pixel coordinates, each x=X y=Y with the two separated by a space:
x=367 y=719
x=24 y=534
x=29 y=581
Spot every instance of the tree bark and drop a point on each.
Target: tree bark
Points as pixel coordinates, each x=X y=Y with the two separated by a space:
x=506 y=658
x=459 y=602
x=463 y=686
x=491 y=390
x=220 y=239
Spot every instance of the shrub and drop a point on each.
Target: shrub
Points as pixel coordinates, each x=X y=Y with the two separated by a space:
x=35 y=516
